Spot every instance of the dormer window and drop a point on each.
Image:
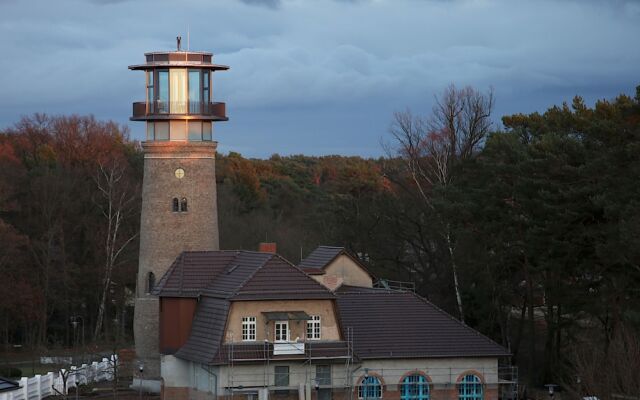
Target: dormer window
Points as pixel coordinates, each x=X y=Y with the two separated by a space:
x=313 y=328
x=248 y=329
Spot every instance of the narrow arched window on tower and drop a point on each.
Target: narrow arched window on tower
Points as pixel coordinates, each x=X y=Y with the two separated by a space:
x=183 y=204
x=176 y=205
x=151 y=281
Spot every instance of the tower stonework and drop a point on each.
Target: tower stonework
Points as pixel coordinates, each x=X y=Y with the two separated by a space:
x=179 y=209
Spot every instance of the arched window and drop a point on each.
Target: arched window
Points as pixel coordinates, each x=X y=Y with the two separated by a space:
x=415 y=387
x=151 y=281
x=370 y=388
x=470 y=388
x=176 y=205
x=183 y=204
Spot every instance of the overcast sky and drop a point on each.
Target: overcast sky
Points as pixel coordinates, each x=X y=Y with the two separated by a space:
x=317 y=76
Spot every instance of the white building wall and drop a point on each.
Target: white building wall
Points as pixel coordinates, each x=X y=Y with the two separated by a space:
x=441 y=371
x=215 y=380
x=175 y=371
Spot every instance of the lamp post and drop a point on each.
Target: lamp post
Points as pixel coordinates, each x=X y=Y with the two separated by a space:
x=74 y=322
x=141 y=369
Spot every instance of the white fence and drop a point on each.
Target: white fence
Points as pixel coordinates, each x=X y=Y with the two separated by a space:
x=41 y=386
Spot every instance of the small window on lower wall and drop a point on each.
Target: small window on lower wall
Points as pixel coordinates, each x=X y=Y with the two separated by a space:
x=370 y=388
x=151 y=281
x=470 y=388
x=281 y=378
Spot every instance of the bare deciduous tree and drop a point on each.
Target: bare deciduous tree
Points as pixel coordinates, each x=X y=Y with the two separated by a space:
x=430 y=146
x=611 y=372
x=117 y=200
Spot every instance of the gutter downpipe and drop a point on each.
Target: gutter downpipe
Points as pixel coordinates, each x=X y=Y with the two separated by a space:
x=215 y=387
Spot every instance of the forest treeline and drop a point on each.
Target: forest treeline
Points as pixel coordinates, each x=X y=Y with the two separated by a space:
x=530 y=234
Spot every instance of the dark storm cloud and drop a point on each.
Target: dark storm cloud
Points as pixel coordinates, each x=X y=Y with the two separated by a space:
x=318 y=76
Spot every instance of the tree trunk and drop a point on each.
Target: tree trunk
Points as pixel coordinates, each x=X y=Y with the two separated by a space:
x=454 y=270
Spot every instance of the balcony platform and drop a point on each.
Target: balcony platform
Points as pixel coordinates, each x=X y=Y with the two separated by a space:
x=156 y=111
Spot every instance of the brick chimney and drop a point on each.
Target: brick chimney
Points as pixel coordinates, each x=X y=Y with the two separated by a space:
x=267 y=248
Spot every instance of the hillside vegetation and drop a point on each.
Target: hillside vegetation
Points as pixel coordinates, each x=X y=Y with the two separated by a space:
x=531 y=234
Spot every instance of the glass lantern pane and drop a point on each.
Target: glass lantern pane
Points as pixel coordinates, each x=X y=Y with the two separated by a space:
x=150 y=131
x=178 y=130
x=206 y=130
x=194 y=91
x=178 y=91
x=162 y=130
x=195 y=130
x=163 y=92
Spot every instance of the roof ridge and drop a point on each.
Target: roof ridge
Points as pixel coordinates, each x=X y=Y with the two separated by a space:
x=467 y=327
x=304 y=273
x=252 y=274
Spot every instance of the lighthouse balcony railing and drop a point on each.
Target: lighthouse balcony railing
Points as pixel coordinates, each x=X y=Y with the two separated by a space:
x=155 y=108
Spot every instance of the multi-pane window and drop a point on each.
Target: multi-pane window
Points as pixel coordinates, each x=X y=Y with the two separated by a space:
x=415 y=387
x=313 y=327
x=370 y=388
x=323 y=379
x=282 y=331
x=470 y=388
x=323 y=374
x=248 y=329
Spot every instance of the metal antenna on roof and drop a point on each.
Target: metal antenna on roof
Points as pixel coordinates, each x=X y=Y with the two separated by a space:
x=300 y=253
x=178 y=40
x=188 y=38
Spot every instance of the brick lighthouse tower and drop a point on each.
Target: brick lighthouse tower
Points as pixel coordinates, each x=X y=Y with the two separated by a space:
x=179 y=208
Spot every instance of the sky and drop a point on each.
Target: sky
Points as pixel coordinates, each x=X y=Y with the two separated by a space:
x=317 y=77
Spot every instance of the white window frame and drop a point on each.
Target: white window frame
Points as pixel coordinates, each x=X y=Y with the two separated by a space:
x=277 y=328
x=314 y=328
x=249 y=326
